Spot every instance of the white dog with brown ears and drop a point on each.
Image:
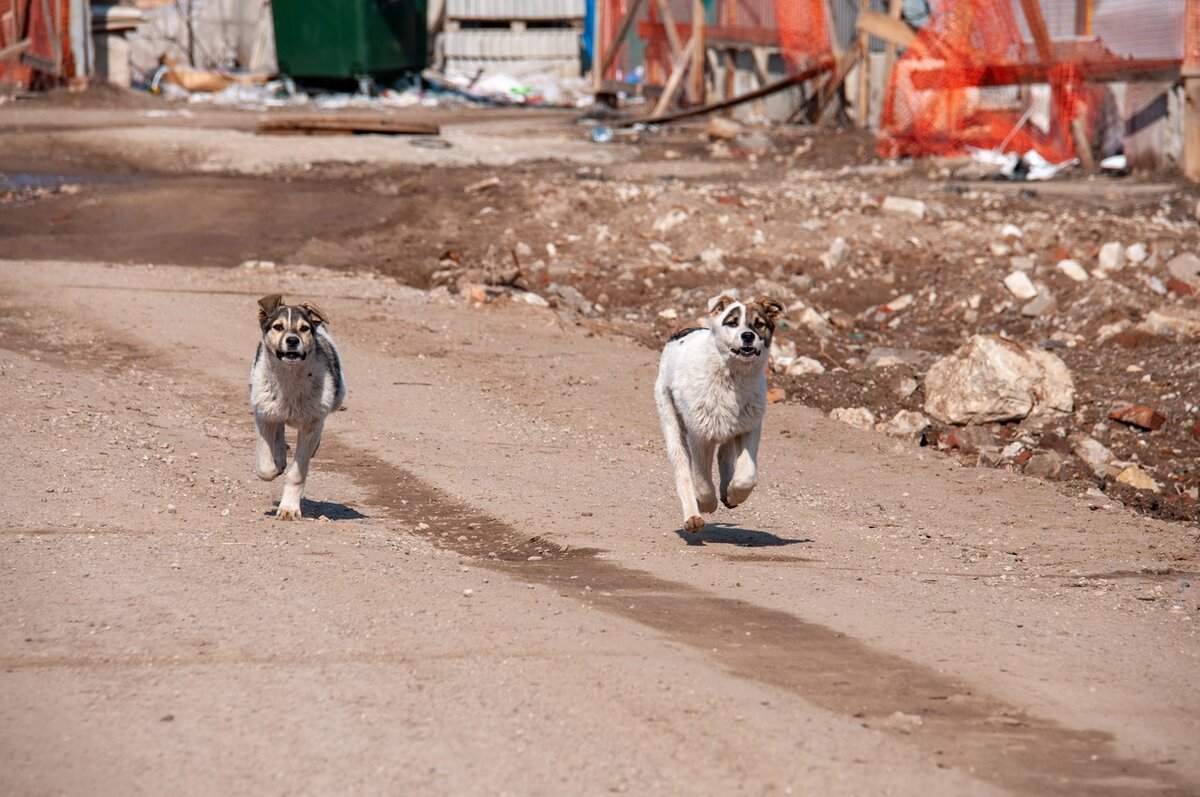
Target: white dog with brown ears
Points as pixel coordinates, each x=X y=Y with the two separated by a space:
x=712 y=394
x=296 y=380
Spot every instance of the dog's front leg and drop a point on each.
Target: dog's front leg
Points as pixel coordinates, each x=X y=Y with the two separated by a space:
x=308 y=439
x=727 y=456
x=270 y=448
x=745 y=470
x=701 y=453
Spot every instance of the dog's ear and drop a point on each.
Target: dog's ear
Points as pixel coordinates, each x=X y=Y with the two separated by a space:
x=772 y=308
x=717 y=304
x=317 y=315
x=267 y=306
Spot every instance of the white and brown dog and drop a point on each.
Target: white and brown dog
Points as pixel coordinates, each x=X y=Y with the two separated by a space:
x=296 y=380
x=712 y=394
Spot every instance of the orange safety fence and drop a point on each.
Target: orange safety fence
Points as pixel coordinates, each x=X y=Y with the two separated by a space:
x=984 y=74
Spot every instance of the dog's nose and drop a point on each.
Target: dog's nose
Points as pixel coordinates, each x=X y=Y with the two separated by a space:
x=292 y=341
x=747 y=338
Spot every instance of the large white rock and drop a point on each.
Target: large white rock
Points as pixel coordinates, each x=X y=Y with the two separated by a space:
x=1019 y=284
x=859 y=417
x=991 y=379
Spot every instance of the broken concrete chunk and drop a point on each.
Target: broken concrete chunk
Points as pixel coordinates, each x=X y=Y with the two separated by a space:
x=1019 y=285
x=859 y=417
x=992 y=379
x=803 y=366
x=1112 y=256
x=1185 y=268
x=722 y=129
x=1172 y=321
x=1073 y=270
x=1093 y=453
x=913 y=209
x=1044 y=465
x=906 y=425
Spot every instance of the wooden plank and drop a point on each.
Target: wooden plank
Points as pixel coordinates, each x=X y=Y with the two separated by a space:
x=882 y=26
x=598 y=46
x=1037 y=26
x=622 y=32
x=678 y=69
x=345 y=125
x=1083 y=17
x=895 y=7
x=15 y=50
x=864 y=41
x=1083 y=147
x=830 y=88
x=1120 y=70
x=672 y=31
x=699 y=88
x=779 y=85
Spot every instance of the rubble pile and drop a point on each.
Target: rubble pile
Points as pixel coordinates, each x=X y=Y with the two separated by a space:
x=1002 y=325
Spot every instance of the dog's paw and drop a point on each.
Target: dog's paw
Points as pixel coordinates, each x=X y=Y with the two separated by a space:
x=693 y=524
x=735 y=496
x=287 y=513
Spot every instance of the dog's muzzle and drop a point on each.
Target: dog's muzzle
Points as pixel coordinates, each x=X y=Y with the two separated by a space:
x=747 y=352
x=289 y=356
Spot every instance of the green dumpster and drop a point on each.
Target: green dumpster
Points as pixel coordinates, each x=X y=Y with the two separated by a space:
x=348 y=39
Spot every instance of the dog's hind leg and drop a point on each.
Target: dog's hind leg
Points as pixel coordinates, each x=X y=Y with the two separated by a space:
x=677 y=453
x=270 y=448
x=308 y=439
x=745 y=470
x=727 y=456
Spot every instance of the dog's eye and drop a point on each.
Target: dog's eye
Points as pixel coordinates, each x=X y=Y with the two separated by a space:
x=731 y=321
x=304 y=328
x=278 y=327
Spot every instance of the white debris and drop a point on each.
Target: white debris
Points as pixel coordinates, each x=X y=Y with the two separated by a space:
x=1019 y=285
x=859 y=417
x=1073 y=270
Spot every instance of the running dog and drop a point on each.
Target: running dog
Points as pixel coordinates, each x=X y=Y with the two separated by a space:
x=296 y=380
x=711 y=394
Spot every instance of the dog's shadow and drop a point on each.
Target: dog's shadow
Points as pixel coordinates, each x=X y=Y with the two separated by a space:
x=728 y=534
x=327 y=509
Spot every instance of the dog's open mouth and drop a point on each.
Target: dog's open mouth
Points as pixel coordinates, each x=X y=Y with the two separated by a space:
x=746 y=351
x=290 y=356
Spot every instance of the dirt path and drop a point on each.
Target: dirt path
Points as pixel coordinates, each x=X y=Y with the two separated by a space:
x=875 y=620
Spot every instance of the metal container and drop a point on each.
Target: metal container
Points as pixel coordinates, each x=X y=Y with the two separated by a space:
x=349 y=38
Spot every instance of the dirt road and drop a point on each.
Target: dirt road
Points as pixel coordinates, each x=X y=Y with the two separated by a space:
x=489 y=594
x=875 y=620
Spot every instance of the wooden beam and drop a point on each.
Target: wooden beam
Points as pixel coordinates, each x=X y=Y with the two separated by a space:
x=15 y=50
x=864 y=41
x=1083 y=17
x=881 y=26
x=328 y=125
x=622 y=31
x=672 y=31
x=1037 y=26
x=830 y=88
x=698 y=51
x=598 y=46
x=791 y=80
x=678 y=69
x=895 y=7
x=1118 y=70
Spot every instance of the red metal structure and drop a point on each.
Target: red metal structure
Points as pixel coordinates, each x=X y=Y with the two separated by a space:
x=35 y=46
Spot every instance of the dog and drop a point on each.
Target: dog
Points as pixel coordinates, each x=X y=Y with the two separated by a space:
x=711 y=394
x=296 y=380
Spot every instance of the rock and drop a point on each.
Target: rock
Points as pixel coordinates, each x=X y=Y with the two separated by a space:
x=884 y=357
x=837 y=254
x=1185 y=268
x=1073 y=270
x=722 y=129
x=713 y=258
x=907 y=425
x=1019 y=285
x=1044 y=465
x=669 y=314
x=1112 y=257
x=1039 y=305
x=805 y=365
x=1138 y=415
x=1093 y=453
x=906 y=387
x=1011 y=231
x=992 y=379
x=899 y=303
x=673 y=218
x=1110 y=331
x=815 y=322
x=1136 y=254
x=1137 y=478
x=913 y=209
x=776 y=395
x=755 y=142
x=1172 y=321
x=859 y=417
x=482 y=185
x=1179 y=287
x=968 y=438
